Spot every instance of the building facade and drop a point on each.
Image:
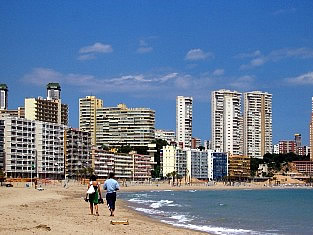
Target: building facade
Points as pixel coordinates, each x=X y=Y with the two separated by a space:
x=184 y=120
x=88 y=107
x=45 y=110
x=238 y=167
x=19 y=158
x=77 y=151
x=217 y=165
x=304 y=167
x=122 y=126
x=49 y=139
x=168 y=136
x=257 y=124
x=287 y=146
x=133 y=166
x=32 y=148
x=226 y=121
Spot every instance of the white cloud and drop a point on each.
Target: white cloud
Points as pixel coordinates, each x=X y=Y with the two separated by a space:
x=304 y=79
x=86 y=57
x=166 y=85
x=218 y=72
x=259 y=59
x=96 y=48
x=90 y=52
x=198 y=54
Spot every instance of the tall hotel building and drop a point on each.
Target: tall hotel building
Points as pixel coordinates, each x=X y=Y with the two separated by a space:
x=47 y=110
x=226 y=121
x=184 y=120
x=88 y=115
x=257 y=124
x=117 y=126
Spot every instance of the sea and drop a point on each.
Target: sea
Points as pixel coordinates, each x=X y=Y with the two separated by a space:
x=273 y=211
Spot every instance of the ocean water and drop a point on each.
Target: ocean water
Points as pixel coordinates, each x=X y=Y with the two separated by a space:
x=275 y=211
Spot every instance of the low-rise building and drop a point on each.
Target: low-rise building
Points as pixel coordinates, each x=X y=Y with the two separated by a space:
x=238 y=167
x=132 y=166
x=304 y=167
x=168 y=136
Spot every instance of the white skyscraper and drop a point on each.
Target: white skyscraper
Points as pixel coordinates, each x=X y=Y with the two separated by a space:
x=226 y=121
x=257 y=123
x=184 y=120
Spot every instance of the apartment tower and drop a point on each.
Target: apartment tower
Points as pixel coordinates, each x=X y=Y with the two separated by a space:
x=45 y=110
x=184 y=121
x=3 y=97
x=87 y=115
x=257 y=124
x=118 y=126
x=226 y=121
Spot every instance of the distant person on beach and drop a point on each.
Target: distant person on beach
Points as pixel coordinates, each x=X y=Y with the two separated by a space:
x=111 y=185
x=94 y=194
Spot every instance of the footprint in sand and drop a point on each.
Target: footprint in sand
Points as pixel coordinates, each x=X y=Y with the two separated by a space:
x=44 y=227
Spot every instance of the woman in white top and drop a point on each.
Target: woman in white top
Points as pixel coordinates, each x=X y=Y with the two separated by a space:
x=94 y=194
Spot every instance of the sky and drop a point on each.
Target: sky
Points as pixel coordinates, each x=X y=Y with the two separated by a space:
x=145 y=53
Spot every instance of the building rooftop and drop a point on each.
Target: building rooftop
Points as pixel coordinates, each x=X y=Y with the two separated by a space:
x=52 y=85
x=3 y=86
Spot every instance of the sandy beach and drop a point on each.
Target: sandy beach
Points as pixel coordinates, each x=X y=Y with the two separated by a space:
x=59 y=210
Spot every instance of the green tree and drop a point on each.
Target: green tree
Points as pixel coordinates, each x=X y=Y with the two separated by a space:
x=159 y=145
x=124 y=149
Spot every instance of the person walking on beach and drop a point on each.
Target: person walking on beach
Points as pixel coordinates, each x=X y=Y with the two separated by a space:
x=111 y=185
x=94 y=194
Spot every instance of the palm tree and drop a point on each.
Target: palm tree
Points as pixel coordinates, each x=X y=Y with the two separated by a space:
x=90 y=171
x=174 y=174
x=168 y=175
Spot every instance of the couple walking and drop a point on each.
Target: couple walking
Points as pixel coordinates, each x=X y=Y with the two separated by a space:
x=94 y=192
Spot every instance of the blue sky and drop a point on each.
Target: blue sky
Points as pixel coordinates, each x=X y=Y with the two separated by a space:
x=145 y=53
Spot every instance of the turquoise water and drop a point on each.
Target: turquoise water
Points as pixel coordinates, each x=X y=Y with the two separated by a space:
x=277 y=211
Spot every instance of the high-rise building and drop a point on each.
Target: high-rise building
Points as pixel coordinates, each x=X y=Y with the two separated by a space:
x=226 y=121
x=118 y=126
x=53 y=91
x=32 y=148
x=45 y=110
x=3 y=97
x=257 y=124
x=88 y=107
x=184 y=120
x=77 y=151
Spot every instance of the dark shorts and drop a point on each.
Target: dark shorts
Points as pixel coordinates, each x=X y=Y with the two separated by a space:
x=111 y=198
